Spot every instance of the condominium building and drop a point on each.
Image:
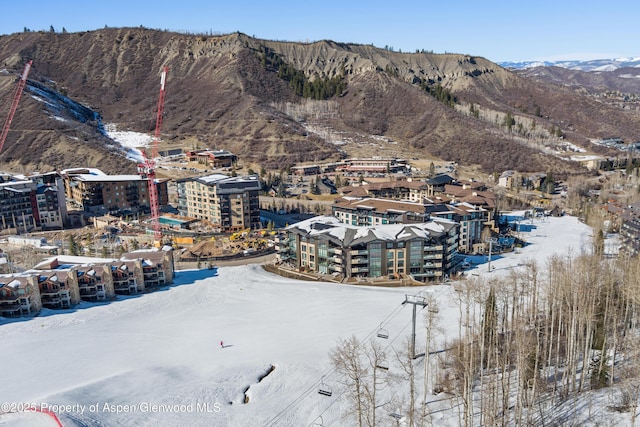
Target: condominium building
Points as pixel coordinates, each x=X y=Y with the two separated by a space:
x=230 y=203
x=58 y=289
x=63 y=281
x=424 y=251
x=95 y=282
x=473 y=220
x=127 y=277
x=213 y=158
x=409 y=189
x=96 y=192
x=373 y=211
x=19 y=295
x=17 y=204
x=157 y=266
x=26 y=205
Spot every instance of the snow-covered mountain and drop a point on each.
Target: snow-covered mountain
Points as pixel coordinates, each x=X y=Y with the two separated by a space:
x=591 y=65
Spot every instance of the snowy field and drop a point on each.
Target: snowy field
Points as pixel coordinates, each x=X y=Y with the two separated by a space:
x=156 y=359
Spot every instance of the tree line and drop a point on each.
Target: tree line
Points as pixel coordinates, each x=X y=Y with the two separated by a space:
x=320 y=88
x=529 y=346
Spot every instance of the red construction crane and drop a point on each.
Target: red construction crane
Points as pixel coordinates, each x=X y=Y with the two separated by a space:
x=148 y=167
x=14 y=105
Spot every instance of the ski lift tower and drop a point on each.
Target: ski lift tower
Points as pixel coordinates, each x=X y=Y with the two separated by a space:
x=14 y=105
x=415 y=300
x=491 y=241
x=147 y=168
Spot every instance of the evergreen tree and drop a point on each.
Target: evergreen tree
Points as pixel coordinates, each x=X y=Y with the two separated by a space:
x=508 y=121
x=74 y=248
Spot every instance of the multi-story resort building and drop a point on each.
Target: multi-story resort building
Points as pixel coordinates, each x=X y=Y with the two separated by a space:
x=372 y=211
x=229 y=203
x=34 y=202
x=63 y=281
x=157 y=266
x=127 y=277
x=99 y=193
x=424 y=251
x=58 y=289
x=19 y=295
x=376 y=211
x=212 y=158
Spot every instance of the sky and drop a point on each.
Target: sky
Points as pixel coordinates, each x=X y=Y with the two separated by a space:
x=498 y=30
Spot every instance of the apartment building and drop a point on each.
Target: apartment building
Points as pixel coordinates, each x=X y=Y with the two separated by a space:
x=230 y=203
x=212 y=158
x=127 y=277
x=19 y=295
x=157 y=266
x=373 y=165
x=425 y=251
x=58 y=289
x=405 y=189
x=63 y=281
x=17 y=204
x=473 y=220
x=376 y=211
x=95 y=282
x=99 y=193
x=373 y=211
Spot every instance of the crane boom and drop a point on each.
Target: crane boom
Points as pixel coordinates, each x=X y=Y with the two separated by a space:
x=14 y=105
x=148 y=167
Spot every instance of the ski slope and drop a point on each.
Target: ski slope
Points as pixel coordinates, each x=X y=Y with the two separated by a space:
x=155 y=359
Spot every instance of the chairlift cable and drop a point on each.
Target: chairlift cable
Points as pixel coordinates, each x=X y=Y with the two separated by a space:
x=314 y=387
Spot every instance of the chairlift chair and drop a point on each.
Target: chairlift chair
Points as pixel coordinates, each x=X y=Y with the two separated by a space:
x=324 y=389
x=383 y=333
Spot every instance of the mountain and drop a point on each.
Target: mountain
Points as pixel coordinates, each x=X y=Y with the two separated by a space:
x=256 y=98
x=619 y=88
x=590 y=65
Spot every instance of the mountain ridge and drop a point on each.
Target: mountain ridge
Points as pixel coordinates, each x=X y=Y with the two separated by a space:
x=221 y=94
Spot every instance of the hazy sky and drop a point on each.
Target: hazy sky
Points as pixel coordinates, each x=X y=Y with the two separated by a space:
x=499 y=30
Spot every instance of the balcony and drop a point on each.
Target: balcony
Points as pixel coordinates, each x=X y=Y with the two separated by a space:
x=359 y=260
x=125 y=287
x=359 y=252
x=438 y=248
x=432 y=265
x=9 y=310
x=360 y=269
x=428 y=274
x=432 y=256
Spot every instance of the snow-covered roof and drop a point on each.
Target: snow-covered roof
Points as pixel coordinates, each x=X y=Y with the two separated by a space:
x=107 y=178
x=350 y=234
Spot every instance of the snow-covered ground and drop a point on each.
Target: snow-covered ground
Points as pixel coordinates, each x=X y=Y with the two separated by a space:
x=156 y=359
x=131 y=142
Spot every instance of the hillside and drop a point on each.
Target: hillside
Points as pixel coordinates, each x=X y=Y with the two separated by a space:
x=225 y=92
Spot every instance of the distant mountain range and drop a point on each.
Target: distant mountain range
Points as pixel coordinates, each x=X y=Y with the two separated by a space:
x=592 y=65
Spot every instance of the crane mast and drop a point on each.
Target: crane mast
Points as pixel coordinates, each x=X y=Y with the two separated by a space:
x=148 y=167
x=14 y=105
